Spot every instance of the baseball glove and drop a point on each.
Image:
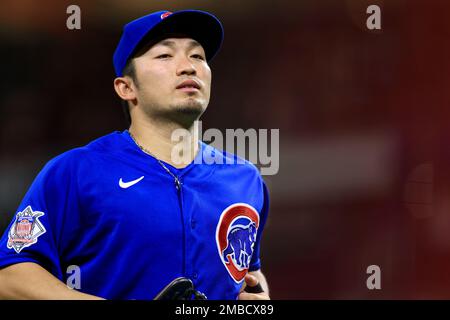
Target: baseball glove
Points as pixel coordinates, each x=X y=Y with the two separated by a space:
x=180 y=289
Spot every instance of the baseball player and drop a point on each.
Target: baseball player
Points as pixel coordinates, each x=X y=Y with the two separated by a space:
x=120 y=213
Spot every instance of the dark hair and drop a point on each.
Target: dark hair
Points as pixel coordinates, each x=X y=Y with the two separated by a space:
x=129 y=71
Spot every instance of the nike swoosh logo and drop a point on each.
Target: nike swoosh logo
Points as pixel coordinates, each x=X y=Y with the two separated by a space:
x=128 y=184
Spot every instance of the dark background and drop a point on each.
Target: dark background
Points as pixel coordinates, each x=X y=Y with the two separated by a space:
x=363 y=116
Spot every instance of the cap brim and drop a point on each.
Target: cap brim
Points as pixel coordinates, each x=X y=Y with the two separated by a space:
x=199 y=25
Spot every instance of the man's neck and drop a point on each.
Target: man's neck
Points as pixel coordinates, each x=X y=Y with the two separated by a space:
x=161 y=142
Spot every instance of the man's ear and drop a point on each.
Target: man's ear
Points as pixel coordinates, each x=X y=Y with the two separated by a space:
x=125 y=88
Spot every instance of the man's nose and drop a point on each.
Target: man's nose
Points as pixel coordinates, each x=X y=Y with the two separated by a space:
x=185 y=67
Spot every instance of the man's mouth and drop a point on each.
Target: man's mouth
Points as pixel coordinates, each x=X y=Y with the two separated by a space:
x=189 y=86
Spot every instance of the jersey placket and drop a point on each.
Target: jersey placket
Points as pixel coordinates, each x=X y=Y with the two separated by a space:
x=184 y=224
x=187 y=270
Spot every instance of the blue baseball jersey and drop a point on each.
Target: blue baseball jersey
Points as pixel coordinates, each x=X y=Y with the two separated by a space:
x=114 y=212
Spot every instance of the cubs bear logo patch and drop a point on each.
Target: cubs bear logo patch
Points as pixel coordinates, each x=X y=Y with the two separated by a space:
x=25 y=230
x=236 y=236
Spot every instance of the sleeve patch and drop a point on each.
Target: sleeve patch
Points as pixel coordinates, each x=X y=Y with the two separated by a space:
x=25 y=230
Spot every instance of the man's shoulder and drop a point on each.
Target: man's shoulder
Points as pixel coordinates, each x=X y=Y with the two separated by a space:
x=224 y=160
x=89 y=153
x=108 y=143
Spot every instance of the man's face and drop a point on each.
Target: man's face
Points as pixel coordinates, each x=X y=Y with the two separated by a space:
x=173 y=79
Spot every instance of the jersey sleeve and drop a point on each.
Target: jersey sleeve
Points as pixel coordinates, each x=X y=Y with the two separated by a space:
x=255 y=262
x=35 y=229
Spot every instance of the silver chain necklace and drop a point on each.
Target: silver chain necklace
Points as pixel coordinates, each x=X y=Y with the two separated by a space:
x=178 y=183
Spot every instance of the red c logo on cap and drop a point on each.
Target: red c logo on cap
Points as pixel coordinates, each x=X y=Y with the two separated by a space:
x=166 y=14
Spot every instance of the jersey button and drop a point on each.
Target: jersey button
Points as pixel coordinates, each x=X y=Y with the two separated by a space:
x=193 y=223
x=195 y=275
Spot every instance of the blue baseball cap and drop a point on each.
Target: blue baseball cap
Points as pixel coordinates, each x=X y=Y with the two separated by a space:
x=199 y=25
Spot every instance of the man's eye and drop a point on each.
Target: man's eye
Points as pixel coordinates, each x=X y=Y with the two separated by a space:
x=198 y=56
x=163 y=56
